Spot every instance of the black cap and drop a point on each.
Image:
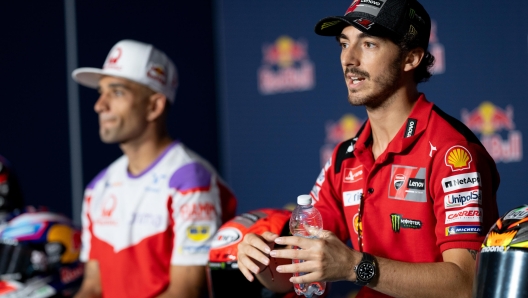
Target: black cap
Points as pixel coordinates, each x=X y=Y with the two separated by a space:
x=385 y=18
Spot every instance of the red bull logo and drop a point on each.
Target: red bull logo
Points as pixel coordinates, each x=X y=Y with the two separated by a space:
x=157 y=72
x=437 y=50
x=489 y=120
x=286 y=67
x=337 y=132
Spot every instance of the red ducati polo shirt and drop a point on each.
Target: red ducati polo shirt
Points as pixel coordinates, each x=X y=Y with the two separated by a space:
x=434 y=188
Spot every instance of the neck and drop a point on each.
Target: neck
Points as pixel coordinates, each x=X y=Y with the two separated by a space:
x=386 y=120
x=143 y=151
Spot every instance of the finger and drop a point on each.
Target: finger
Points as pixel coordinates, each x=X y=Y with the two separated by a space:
x=318 y=233
x=250 y=256
x=295 y=241
x=294 y=254
x=257 y=242
x=269 y=236
x=306 y=278
x=247 y=274
x=296 y=267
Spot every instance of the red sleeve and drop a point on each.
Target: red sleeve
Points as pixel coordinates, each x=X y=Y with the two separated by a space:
x=328 y=202
x=464 y=186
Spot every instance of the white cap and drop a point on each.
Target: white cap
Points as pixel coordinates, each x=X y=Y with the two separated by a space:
x=136 y=61
x=304 y=200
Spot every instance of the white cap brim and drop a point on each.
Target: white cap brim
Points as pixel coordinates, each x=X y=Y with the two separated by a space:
x=88 y=76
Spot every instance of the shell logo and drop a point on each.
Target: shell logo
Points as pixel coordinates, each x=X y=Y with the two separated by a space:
x=458 y=158
x=357 y=224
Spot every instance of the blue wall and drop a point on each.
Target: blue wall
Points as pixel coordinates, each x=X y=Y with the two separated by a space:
x=275 y=137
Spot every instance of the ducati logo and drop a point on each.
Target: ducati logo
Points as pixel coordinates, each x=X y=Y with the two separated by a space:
x=399 y=180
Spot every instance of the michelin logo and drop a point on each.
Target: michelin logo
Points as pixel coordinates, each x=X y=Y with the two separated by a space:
x=462 y=199
x=455 y=230
x=461 y=181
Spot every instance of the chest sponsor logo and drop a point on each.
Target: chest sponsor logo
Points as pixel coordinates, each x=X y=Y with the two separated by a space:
x=197 y=211
x=356 y=223
x=456 y=230
x=468 y=214
x=353 y=174
x=194 y=249
x=352 y=198
x=146 y=219
x=109 y=206
x=398 y=223
x=461 y=181
x=408 y=183
x=410 y=129
x=225 y=237
x=462 y=199
x=458 y=158
x=519 y=213
x=198 y=233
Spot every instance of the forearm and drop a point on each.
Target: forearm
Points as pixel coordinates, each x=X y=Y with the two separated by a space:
x=443 y=279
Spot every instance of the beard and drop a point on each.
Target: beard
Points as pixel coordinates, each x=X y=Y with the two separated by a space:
x=385 y=85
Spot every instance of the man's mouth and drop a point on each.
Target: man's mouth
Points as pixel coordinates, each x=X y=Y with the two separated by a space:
x=356 y=80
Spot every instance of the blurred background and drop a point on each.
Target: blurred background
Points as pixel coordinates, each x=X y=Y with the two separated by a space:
x=261 y=96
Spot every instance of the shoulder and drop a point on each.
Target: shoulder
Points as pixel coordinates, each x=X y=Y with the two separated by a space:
x=448 y=127
x=190 y=171
x=107 y=171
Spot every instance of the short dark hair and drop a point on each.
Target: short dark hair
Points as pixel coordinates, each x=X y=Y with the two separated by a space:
x=422 y=73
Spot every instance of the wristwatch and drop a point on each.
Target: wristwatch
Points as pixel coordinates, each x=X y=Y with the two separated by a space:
x=365 y=270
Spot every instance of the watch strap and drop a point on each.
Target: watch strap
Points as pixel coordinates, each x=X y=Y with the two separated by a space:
x=367 y=258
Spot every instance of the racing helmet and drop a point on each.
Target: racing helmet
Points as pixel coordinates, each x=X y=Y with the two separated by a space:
x=41 y=247
x=502 y=266
x=224 y=277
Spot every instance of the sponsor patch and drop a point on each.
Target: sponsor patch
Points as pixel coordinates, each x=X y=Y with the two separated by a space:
x=468 y=214
x=519 y=213
x=462 y=199
x=408 y=183
x=352 y=6
x=458 y=158
x=197 y=211
x=371 y=7
x=321 y=177
x=353 y=174
x=455 y=230
x=329 y=24
x=194 y=250
x=410 y=129
x=398 y=223
x=198 y=233
x=356 y=223
x=352 y=198
x=226 y=237
x=315 y=192
x=412 y=30
x=367 y=24
x=461 y=181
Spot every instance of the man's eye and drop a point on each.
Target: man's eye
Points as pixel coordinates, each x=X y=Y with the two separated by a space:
x=370 y=45
x=118 y=93
x=343 y=45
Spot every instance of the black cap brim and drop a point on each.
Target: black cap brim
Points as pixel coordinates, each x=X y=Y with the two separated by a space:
x=333 y=26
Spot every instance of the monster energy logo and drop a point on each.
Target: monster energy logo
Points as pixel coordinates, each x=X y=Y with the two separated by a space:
x=398 y=222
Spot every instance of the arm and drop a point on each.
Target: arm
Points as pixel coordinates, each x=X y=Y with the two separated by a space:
x=329 y=259
x=186 y=281
x=91 y=285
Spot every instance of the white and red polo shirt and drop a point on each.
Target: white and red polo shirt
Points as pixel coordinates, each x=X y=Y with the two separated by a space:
x=136 y=227
x=433 y=189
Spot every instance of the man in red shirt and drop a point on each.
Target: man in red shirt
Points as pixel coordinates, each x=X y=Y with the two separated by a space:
x=414 y=191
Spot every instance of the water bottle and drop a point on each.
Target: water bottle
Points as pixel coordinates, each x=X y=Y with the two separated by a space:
x=306 y=216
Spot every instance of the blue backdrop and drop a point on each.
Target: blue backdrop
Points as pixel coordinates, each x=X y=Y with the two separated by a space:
x=284 y=104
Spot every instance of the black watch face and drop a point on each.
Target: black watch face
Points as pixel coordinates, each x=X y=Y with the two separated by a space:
x=365 y=271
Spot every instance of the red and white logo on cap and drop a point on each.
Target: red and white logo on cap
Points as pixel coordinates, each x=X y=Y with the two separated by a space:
x=113 y=58
x=352 y=6
x=157 y=72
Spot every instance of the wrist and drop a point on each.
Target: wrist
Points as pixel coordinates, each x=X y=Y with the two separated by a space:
x=366 y=270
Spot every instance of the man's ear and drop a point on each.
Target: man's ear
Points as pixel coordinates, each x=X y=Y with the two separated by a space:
x=157 y=103
x=413 y=59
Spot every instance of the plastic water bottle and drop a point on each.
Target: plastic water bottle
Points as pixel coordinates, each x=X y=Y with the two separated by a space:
x=303 y=217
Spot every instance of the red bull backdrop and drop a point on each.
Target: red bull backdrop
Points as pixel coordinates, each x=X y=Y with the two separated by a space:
x=284 y=102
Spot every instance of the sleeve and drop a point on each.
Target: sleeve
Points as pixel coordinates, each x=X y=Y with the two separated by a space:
x=464 y=186
x=86 y=233
x=328 y=202
x=196 y=214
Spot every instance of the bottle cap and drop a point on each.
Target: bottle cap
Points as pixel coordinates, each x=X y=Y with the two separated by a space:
x=304 y=200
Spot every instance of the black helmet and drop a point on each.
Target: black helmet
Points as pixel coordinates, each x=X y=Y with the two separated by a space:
x=502 y=266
